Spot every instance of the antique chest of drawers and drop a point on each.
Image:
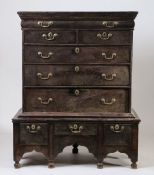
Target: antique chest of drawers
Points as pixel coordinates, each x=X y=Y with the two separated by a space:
x=76 y=85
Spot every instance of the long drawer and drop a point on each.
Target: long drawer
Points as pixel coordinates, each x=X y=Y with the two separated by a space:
x=50 y=24
x=78 y=54
x=41 y=75
x=76 y=100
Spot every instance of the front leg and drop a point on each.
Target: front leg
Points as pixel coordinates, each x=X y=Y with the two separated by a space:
x=17 y=158
x=51 y=164
x=134 y=158
x=17 y=164
x=100 y=165
x=134 y=165
x=17 y=153
x=100 y=161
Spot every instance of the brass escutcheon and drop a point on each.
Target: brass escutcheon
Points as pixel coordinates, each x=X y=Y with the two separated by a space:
x=77 y=68
x=76 y=92
x=77 y=50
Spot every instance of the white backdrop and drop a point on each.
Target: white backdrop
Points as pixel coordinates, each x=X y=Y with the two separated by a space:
x=143 y=55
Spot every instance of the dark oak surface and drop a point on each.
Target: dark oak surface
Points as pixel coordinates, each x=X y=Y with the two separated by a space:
x=77 y=72
x=88 y=24
x=121 y=16
x=39 y=138
x=86 y=55
x=93 y=116
x=67 y=75
x=117 y=38
x=66 y=100
x=64 y=37
x=120 y=138
x=97 y=134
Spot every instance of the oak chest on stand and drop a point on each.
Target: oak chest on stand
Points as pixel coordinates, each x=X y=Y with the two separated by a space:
x=77 y=69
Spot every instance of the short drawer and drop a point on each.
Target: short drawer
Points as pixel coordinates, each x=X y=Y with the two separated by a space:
x=76 y=100
x=49 y=75
x=105 y=37
x=50 y=37
x=75 y=129
x=117 y=134
x=78 y=54
x=33 y=134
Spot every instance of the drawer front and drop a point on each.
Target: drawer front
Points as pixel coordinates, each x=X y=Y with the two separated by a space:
x=106 y=37
x=117 y=134
x=50 y=37
x=75 y=129
x=76 y=100
x=40 y=75
x=33 y=133
x=102 y=55
x=50 y=24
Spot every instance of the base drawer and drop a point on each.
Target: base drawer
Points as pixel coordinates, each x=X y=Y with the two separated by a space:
x=75 y=129
x=34 y=133
x=117 y=134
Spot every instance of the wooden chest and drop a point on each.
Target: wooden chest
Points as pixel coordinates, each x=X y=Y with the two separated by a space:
x=77 y=69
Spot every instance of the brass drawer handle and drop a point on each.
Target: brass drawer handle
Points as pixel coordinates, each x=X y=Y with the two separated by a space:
x=77 y=68
x=117 y=128
x=43 y=56
x=113 y=100
x=77 y=92
x=110 y=24
x=45 y=102
x=77 y=50
x=40 y=75
x=45 y=24
x=109 y=77
x=109 y=58
x=75 y=128
x=33 y=128
x=104 y=36
x=50 y=36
